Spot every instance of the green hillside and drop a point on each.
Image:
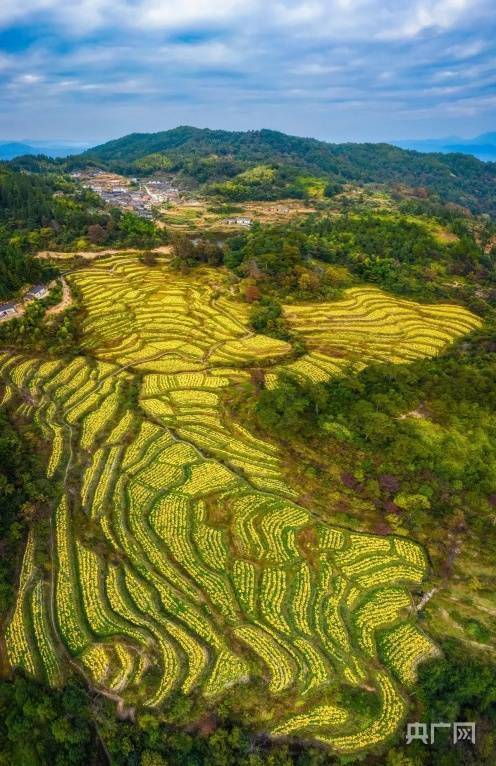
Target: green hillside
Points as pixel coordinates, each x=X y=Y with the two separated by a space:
x=211 y=156
x=48 y=211
x=248 y=476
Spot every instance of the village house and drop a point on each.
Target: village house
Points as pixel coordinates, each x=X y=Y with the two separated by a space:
x=7 y=309
x=238 y=221
x=37 y=292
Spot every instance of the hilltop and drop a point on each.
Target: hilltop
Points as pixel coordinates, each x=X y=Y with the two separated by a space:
x=9 y=150
x=265 y=164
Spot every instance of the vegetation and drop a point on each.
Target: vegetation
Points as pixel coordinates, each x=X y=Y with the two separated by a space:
x=266 y=317
x=252 y=570
x=190 y=252
x=50 y=211
x=37 y=330
x=40 y=725
x=266 y=164
x=317 y=257
x=194 y=460
x=262 y=164
x=414 y=440
x=24 y=493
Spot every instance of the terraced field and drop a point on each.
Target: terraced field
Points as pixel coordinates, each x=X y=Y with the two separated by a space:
x=371 y=326
x=182 y=563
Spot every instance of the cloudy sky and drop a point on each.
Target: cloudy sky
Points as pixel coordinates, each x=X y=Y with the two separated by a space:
x=89 y=70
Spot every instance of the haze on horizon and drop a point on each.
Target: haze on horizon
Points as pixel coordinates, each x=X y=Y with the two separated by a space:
x=335 y=69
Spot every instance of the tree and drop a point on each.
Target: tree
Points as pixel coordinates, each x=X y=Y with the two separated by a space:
x=149 y=258
x=251 y=292
x=266 y=316
x=96 y=234
x=149 y=758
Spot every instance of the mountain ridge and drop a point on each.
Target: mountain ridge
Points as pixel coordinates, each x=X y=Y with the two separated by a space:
x=267 y=164
x=483 y=146
x=213 y=156
x=10 y=150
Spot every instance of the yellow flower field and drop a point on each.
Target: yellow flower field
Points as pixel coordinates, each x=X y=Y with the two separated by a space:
x=194 y=577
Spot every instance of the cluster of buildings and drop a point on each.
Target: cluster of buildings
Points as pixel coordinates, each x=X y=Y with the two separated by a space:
x=35 y=293
x=134 y=195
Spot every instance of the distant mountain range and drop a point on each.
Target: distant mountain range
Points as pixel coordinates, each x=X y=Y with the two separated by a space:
x=483 y=147
x=9 y=150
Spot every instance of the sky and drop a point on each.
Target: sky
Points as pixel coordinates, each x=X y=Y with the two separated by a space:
x=357 y=70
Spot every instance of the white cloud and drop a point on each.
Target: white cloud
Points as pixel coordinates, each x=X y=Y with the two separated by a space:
x=375 y=19
x=169 y=13
x=313 y=68
x=25 y=80
x=214 y=53
x=85 y=15
x=363 y=55
x=467 y=49
x=333 y=19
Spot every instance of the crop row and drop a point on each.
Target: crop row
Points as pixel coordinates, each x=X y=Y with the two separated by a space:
x=320 y=717
x=210 y=543
x=403 y=649
x=207 y=478
x=245 y=582
x=99 y=419
x=279 y=663
x=73 y=630
x=393 y=708
x=43 y=635
x=17 y=635
x=383 y=607
x=100 y=619
x=370 y=325
x=272 y=595
x=105 y=481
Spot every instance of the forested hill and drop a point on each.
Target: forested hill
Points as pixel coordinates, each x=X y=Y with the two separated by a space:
x=219 y=155
x=49 y=211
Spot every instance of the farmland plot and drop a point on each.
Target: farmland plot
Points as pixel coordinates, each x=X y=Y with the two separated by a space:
x=202 y=577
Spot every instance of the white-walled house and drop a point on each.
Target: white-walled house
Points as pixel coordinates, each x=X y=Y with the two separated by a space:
x=37 y=293
x=238 y=221
x=7 y=309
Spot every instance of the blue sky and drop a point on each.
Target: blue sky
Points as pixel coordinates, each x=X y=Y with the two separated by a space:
x=89 y=70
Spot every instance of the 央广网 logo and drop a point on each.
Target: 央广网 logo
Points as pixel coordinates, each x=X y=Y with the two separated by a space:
x=462 y=731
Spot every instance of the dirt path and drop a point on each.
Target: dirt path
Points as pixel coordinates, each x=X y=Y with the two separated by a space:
x=64 y=303
x=91 y=255
x=83 y=254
